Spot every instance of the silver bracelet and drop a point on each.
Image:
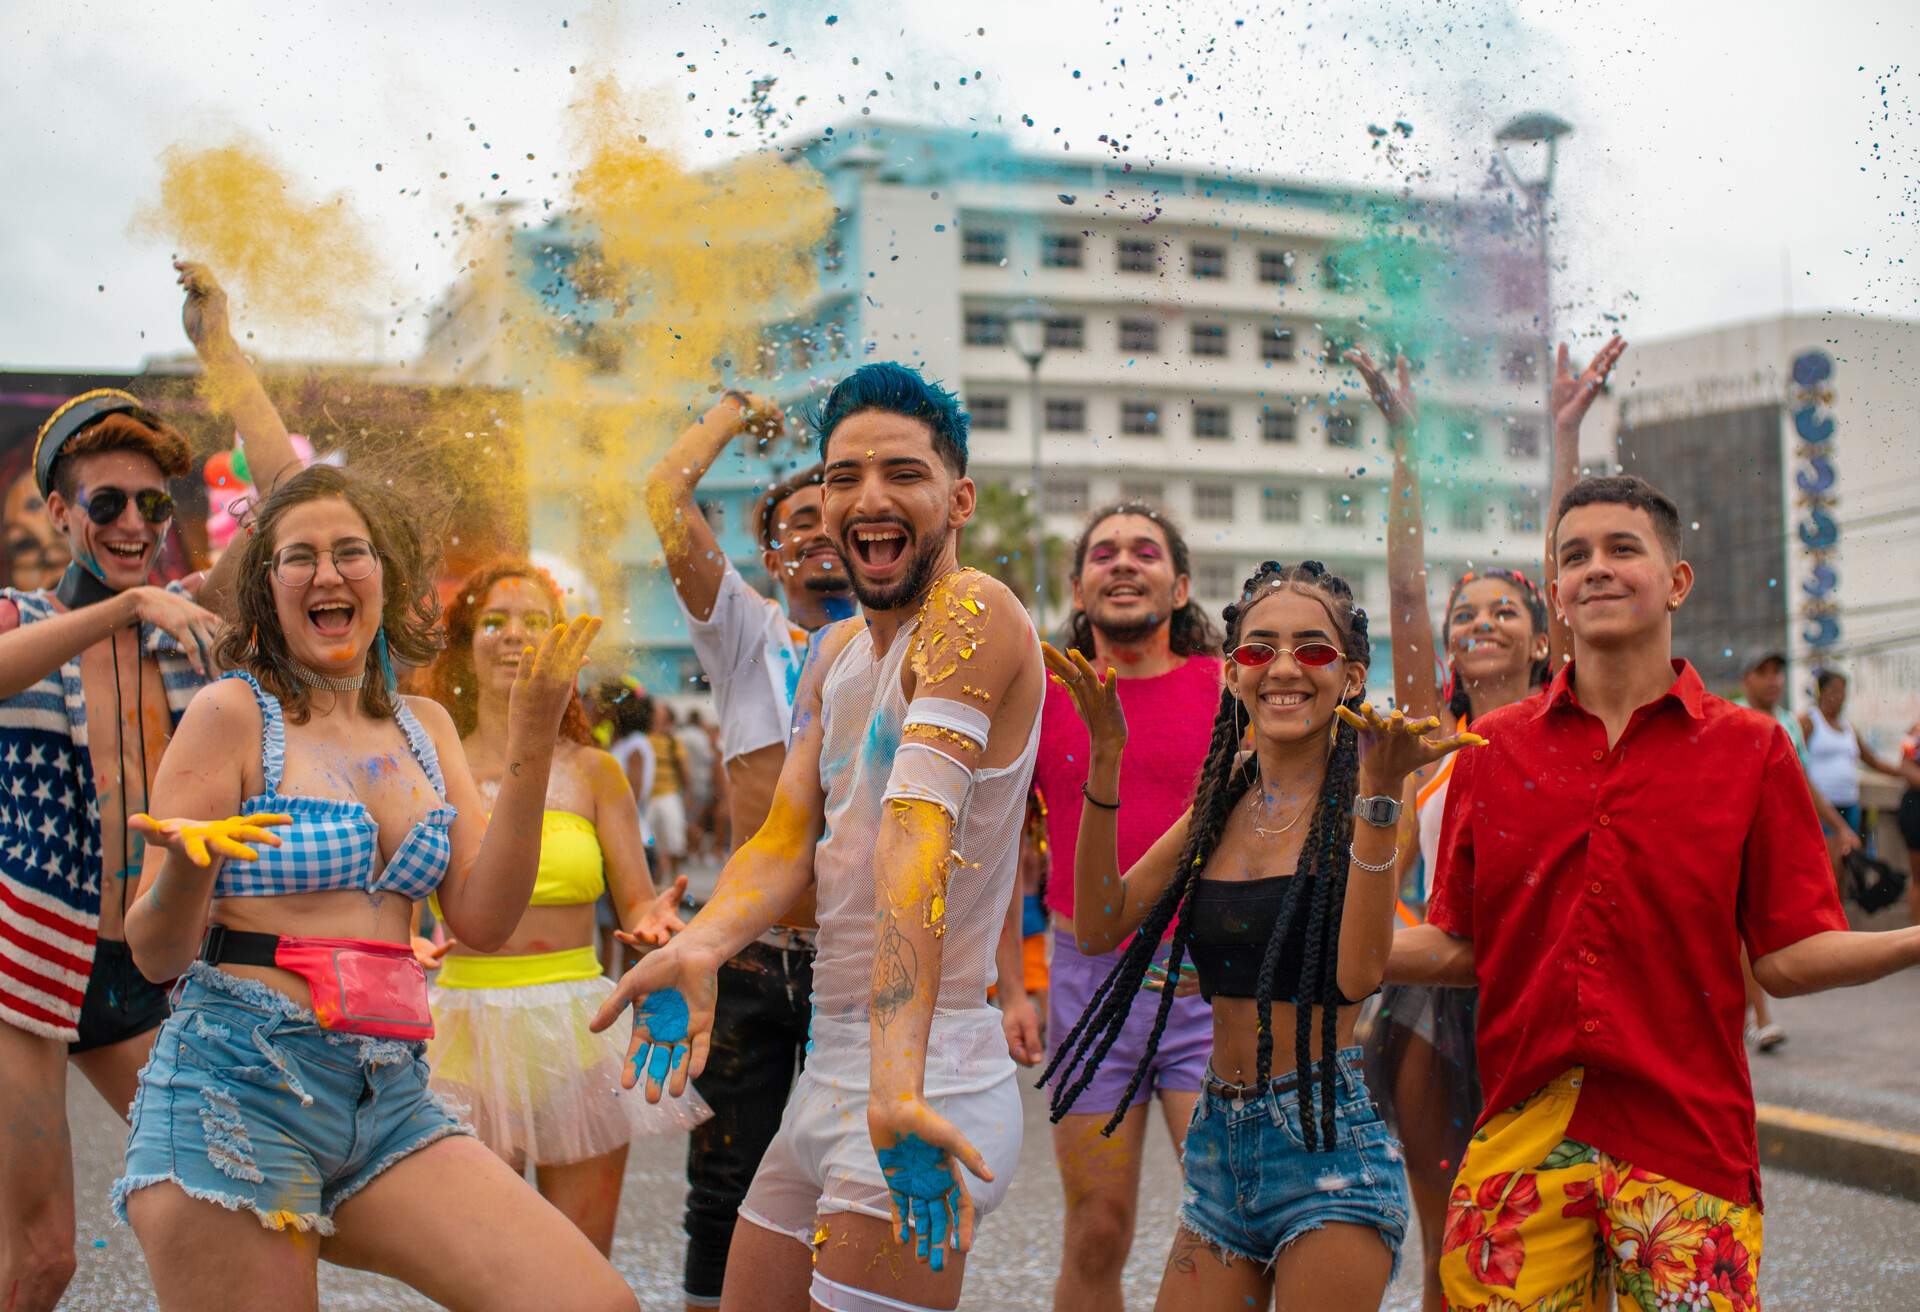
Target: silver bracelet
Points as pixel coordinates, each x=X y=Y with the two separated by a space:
x=1382 y=868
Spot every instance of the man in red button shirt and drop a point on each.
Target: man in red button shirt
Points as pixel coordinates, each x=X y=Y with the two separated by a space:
x=1602 y=863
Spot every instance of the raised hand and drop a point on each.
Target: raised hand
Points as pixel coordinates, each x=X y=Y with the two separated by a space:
x=1573 y=393
x=201 y=840
x=1393 y=746
x=545 y=680
x=755 y=415
x=672 y=994
x=661 y=920
x=920 y=1155
x=204 y=315
x=1096 y=699
x=187 y=622
x=1396 y=403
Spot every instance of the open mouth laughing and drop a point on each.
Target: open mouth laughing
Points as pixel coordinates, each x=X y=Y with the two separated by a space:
x=878 y=546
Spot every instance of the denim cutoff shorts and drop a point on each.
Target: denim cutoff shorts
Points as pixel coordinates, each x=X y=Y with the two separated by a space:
x=248 y=1103
x=1253 y=1187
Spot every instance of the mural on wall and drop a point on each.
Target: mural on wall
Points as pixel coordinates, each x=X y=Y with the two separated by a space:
x=1811 y=402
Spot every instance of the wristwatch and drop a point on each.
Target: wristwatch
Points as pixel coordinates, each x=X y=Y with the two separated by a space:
x=1381 y=812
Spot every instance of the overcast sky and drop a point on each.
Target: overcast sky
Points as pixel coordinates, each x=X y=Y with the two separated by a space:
x=1726 y=155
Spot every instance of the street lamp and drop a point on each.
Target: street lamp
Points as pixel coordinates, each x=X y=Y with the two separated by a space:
x=1537 y=136
x=1027 y=334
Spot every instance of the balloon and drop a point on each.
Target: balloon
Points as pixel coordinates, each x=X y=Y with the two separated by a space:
x=219 y=471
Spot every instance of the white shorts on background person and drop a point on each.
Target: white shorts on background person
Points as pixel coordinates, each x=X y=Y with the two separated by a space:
x=667 y=818
x=822 y=1160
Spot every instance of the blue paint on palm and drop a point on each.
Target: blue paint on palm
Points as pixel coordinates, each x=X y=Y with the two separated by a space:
x=666 y=1015
x=925 y=1193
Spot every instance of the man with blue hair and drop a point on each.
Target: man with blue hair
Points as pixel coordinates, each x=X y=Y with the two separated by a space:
x=902 y=799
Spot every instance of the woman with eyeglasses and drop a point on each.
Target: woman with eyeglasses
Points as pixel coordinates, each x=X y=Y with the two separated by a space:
x=1278 y=880
x=285 y=1110
x=511 y=1043
x=1420 y=1047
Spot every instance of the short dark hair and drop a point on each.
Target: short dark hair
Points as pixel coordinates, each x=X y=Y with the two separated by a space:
x=896 y=389
x=1625 y=490
x=139 y=431
x=1827 y=678
x=1189 y=631
x=769 y=505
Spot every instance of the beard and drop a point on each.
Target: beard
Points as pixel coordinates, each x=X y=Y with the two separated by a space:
x=911 y=586
x=1128 y=629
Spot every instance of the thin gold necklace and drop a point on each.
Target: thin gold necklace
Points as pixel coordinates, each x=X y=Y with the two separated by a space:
x=1273 y=833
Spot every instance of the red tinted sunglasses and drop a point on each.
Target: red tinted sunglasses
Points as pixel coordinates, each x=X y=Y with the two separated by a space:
x=1309 y=655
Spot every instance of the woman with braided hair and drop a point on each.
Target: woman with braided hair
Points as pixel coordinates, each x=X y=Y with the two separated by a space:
x=1285 y=904
x=1420 y=1046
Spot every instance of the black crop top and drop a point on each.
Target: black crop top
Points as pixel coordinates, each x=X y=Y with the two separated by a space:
x=1232 y=921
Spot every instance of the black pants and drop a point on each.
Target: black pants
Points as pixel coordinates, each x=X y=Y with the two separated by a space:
x=759 y=1042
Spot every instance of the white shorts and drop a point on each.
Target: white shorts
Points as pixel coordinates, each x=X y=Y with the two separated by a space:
x=822 y=1159
x=667 y=818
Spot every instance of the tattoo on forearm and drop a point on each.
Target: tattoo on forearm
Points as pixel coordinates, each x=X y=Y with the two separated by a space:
x=896 y=973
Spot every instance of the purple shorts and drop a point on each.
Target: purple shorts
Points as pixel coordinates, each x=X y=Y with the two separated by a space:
x=1179 y=1062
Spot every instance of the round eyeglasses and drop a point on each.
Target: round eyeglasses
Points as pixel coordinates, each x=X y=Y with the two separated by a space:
x=1309 y=655
x=353 y=559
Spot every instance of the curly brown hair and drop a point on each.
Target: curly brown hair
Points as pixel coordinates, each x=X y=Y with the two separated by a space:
x=140 y=431
x=452 y=681
x=409 y=612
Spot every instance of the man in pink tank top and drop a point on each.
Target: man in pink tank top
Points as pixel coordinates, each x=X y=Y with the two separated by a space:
x=1132 y=613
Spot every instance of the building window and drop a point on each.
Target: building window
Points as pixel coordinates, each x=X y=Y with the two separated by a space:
x=1216 y=578
x=1062 y=250
x=1207 y=261
x=1465 y=516
x=1066 y=332
x=1523 y=364
x=1140 y=418
x=1466 y=437
x=1211 y=421
x=1213 y=501
x=1276 y=267
x=1338 y=342
x=1280 y=505
x=1336 y=275
x=988 y=413
x=1141 y=335
x=1138 y=256
x=1147 y=493
x=1523 y=439
x=1342 y=430
x=1066 y=496
x=1210 y=339
x=1463 y=357
x=1345 y=505
x=1066 y=415
x=985 y=328
x=1519 y=517
x=1276 y=425
x=1276 y=343
x=983 y=246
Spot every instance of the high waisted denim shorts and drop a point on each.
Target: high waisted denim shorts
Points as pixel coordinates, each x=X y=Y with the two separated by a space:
x=1253 y=1187
x=247 y=1102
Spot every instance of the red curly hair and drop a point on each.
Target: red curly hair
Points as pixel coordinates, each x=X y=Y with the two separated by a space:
x=453 y=683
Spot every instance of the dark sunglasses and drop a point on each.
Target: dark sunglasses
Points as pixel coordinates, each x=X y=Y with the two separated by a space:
x=1308 y=655
x=104 y=504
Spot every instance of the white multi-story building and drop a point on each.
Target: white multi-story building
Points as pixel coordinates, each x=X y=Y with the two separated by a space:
x=1792 y=448
x=1190 y=318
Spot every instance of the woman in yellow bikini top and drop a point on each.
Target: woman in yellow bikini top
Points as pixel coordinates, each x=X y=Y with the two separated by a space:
x=511 y=1042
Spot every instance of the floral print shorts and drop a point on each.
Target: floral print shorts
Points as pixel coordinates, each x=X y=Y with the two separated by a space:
x=1539 y=1222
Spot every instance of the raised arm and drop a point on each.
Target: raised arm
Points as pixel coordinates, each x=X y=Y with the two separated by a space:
x=1414 y=655
x=1107 y=906
x=490 y=878
x=1572 y=397
x=235 y=389
x=694 y=560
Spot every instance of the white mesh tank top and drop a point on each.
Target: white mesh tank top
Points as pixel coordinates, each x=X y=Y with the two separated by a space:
x=862 y=711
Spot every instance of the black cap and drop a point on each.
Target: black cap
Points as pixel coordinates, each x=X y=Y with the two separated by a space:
x=69 y=419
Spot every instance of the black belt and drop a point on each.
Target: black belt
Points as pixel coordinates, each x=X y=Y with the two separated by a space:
x=1219 y=1088
x=238 y=947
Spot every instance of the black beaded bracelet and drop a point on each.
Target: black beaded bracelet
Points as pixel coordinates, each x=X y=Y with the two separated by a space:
x=1104 y=806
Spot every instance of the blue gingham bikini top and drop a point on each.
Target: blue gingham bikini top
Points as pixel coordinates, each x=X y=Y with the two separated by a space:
x=334 y=844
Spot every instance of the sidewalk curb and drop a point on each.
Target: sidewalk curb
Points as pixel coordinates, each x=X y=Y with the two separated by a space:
x=1846 y=1152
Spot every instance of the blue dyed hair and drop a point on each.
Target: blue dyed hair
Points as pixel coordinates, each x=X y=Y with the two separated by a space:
x=898 y=390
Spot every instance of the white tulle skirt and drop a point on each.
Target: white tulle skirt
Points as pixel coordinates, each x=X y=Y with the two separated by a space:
x=537 y=1085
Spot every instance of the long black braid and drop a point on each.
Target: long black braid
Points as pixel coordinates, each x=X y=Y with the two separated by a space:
x=1318 y=892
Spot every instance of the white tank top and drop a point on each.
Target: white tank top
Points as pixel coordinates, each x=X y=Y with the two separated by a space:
x=1429 y=806
x=1833 y=760
x=863 y=709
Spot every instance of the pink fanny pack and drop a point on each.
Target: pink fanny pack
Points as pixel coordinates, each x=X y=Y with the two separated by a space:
x=359 y=986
